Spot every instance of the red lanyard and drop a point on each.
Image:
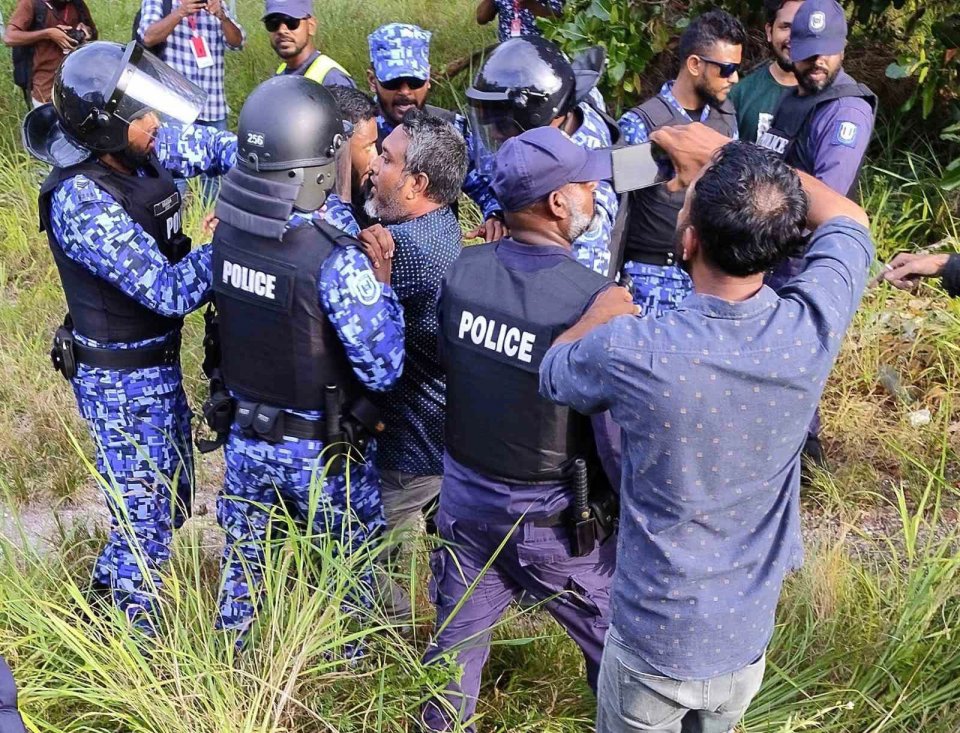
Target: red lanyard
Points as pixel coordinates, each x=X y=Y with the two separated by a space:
x=192 y=22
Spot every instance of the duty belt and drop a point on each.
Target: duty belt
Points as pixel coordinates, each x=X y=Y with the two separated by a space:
x=273 y=423
x=67 y=353
x=660 y=259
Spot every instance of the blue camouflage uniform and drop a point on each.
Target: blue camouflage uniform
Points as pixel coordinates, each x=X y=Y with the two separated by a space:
x=260 y=475
x=656 y=289
x=139 y=418
x=401 y=50
x=592 y=248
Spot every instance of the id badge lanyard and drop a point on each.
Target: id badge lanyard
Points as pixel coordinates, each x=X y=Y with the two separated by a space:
x=516 y=25
x=199 y=45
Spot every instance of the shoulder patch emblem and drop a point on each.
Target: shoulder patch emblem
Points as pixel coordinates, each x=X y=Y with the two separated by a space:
x=846 y=133
x=365 y=288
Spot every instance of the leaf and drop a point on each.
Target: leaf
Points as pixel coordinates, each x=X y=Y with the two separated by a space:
x=617 y=71
x=929 y=93
x=897 y=71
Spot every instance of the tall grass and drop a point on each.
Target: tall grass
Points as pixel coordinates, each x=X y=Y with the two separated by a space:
x=866 y=639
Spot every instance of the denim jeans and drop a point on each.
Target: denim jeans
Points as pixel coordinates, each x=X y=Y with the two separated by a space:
x=633 y=696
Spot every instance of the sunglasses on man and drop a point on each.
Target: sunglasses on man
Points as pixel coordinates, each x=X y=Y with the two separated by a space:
x=726 y=69
x=394 y=84
x=273 y=23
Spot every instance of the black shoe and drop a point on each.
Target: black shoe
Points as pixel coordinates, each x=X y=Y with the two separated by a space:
x=812 y=459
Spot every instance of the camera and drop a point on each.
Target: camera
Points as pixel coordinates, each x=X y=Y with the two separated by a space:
x=77 y=35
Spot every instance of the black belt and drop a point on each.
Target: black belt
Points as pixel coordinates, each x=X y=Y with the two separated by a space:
x=165 y=354
x=257 y=420
x=660 y=259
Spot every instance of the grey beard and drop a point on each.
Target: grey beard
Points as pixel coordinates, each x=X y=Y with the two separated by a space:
x=579 y=224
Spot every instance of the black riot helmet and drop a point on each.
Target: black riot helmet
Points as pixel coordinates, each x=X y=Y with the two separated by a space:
x=525 y=83
x=291 y=131
x=98 y=91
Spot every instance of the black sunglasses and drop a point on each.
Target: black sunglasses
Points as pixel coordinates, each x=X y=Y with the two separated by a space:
x=726 y=70
x=394 y=84
x=273 y=23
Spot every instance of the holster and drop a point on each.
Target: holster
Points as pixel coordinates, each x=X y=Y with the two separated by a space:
x=63 y=353
x=211 y=342
x=349 y=429
x=257 y=420
x=596 y=516
x=218 y=414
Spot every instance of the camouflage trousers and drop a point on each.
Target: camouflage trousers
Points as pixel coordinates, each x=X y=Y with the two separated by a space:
x=261 y=478
x=657 y=289
x=139 y=420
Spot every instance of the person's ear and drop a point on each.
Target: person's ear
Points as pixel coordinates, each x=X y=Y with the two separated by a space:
x=690 y=244
x=768 y=29
x=372 y=81
x=694 y=65
x=558 y=205
x=419 y=184
x=311 y=27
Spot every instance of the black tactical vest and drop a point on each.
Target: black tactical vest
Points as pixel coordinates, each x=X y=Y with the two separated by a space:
x=496 y=326
x=794 y=114
x=653 y=211
x=276 y=343
x=99 y=310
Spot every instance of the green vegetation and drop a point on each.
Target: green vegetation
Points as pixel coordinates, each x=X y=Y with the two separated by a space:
x=867 y=633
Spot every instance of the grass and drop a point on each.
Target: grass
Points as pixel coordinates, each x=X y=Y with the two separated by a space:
x=866 y=639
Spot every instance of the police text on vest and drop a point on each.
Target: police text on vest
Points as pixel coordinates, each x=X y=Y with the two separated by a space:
x=497 y=337
x=249 y=280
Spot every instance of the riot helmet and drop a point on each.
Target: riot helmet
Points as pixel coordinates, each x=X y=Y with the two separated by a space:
x=291 y=131
x=98 y=91
x=525 y=83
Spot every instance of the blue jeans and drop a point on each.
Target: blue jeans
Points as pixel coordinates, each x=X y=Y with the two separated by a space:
x=633 y=696
x=209 y=185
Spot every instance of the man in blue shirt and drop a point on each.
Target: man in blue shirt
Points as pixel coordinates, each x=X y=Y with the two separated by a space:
x=113 y=219
x=413 y=184
x=399 y=77
x=713 y=400
x=510 y=512
x=710 y=52
x=517 y=17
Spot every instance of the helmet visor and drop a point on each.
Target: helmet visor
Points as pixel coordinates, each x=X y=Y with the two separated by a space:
x=146 y=85
x=491 y=126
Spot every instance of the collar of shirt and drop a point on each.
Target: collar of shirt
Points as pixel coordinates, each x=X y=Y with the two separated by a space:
x=714 y=307
x=666 y=91
x=431 y=218
x=301 y=70
x=529 y=257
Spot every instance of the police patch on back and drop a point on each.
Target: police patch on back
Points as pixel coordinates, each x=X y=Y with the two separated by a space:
x=252 y=278
x=498 y=336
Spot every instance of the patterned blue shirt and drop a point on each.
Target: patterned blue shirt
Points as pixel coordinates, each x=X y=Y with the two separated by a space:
x=178 y=53
x=96 y=232
x=414 y=411
x=507 y=11
x=714 y=400
x=475 y=185
x=592 y=248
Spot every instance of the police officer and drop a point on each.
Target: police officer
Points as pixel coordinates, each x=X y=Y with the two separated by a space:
x=292 y=27
x=112 y=215
x=527 y=83
x=514 y=507
x=710 y=52
x=305 y=327
x=399 y=77
x=822 y=128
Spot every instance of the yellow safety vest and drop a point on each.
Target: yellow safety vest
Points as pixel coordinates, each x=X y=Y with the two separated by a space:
x=317 y=71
